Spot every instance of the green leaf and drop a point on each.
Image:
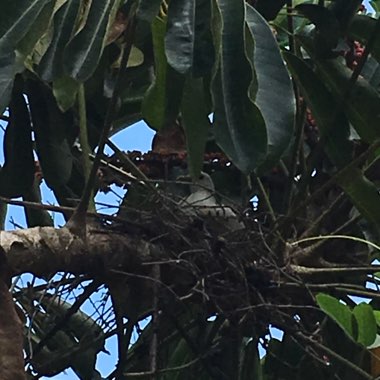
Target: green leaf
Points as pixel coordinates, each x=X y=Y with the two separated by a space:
x=361 y=29
x=16 y=21
x=65 y=91
x=36 y=217
x=362 y=105
x=179 y=39
x=335 y=131
x=37 y=29
x=339 y=312
x=7 y=73
x=196 y=123
x=83 y=52
x=161 y=103
x=250 y=367
x=147 y=10
x=51 y=65
x=50 y=127
x=326 y=35
x=17 y=174
x=188 y=40
x=366 y=323
x=274 y=96
x=239 y=126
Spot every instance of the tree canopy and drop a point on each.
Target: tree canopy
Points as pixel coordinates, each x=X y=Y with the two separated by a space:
x=257 y=206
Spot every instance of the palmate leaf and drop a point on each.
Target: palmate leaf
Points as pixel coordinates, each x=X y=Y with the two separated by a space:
x=274 y=96
x=238 y=124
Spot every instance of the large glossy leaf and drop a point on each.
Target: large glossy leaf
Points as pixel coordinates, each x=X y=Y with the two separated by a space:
x=196 y=123
x=238 y=123
x=36 y=30
x=51 y=66
x=163 y=98
x=366 y=323
x=17 y=174
x=361 y=29
x=16 y=19
x=339 y=312
x=335 y=130
x=274 y=96
x=188 y=40
x=83 y=52
x=179 y=39
x=50 y=130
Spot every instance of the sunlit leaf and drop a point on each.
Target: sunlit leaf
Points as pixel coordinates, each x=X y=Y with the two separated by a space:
x=366 y=324
x=339 y=312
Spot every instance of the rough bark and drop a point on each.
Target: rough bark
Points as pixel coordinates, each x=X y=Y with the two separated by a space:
x=47 y=250
x=11 y=330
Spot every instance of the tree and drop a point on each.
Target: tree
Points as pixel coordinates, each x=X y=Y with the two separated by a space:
x=268 y=215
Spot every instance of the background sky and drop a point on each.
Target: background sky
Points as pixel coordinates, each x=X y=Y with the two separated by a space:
x=136 y=137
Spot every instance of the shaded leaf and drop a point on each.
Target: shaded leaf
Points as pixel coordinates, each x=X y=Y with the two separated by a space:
x=326 y=35
x=250 y=361
x=179 y=38
x=196 y=123
x=366 y=324
x=161 y=103
x=65 y=91
x=49 y=124
x=37 y=29
x=188 y=40
x=147 y=10
x=361 y=29
x=36 y=217
x=7 y=73
x=83 y=52
x=274 y=96
x=361 y=104
x=238 y=124
x=51 y=65
x=335 y=130
x=16 y=21
x=17 y=174
x=339 y=312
